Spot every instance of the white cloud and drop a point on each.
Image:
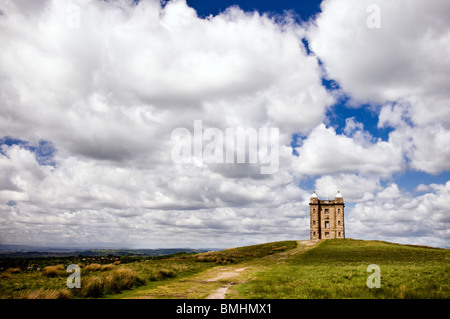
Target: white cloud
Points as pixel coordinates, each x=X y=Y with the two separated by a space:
x=354 y=188
x=397 y=216
x=406 y=56
x=326 y=152
x=422 y=188
x=425 y=145
x=402 y=65
x=107 y=82
x=142 y=65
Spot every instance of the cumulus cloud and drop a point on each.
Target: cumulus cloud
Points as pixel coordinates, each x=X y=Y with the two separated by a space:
x=91 y=91
x=424 y=145
x=394 y=215
x=141 y=65
x=402 y=65
x=105 y=83
x=387 y=63
x=326 y=152
x=354 y=188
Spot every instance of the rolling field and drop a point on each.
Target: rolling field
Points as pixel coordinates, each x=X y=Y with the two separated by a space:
x=334 y=268
x=338 y=269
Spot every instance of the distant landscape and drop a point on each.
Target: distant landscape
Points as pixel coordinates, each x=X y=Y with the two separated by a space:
x=32 y=251
x=330 y=269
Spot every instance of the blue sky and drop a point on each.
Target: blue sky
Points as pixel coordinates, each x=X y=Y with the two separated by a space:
x=88 y=109
x=43 y=150
x=305 y=9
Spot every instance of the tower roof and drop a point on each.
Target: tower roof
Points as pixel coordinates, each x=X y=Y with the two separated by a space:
x=338 y=195
x=314 y=195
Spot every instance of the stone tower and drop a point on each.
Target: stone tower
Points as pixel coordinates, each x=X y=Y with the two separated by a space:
x=327 y=217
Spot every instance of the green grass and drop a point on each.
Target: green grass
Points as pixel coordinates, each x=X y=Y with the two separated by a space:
x=246 y=253
x=337 y=269
x=96 y=281
x=334 y=268
x=109 y=280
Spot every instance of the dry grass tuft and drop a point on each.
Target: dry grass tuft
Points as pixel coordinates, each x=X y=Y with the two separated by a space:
x=166 y=273
x=122 y=278
x=91 y=286
x=93 y=267
x=94 y=287
x=98 y=267
x=106 y=267
x=45 y=294
x=8 y=273
x=52 y=271
x=12 y=271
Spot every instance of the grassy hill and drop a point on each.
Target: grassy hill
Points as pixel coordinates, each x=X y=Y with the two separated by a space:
x=334 y=268
x=337 y=268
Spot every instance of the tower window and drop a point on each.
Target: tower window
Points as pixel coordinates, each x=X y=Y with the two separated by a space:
x=326 y=210
x=339 y=234
x=339 y=222
x=314 y=222
x=327 y=224
x=339 y=210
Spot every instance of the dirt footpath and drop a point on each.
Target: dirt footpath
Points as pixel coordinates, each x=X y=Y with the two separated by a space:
x=222 y=291
x=215 y=283
x=228 y=274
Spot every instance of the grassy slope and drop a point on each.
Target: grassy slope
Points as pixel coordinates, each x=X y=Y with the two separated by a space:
x=143 y=276
x=196 y=285
x=332 y=269
x=337 y=269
